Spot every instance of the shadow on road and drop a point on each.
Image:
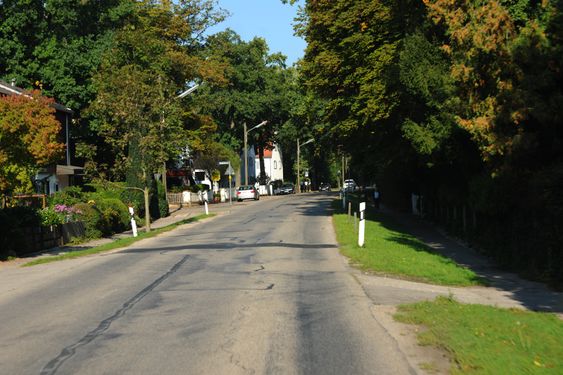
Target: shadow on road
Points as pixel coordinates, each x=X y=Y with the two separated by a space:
x=229 y=246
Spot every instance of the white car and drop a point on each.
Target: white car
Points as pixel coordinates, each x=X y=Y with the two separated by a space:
x=247 y=192
x=350 y=185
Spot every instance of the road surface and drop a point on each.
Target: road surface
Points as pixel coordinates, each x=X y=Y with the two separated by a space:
x=262 y=290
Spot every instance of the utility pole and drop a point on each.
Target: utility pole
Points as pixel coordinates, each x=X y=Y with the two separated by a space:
x=246 y=147
x=298 y=170
x=245 y=154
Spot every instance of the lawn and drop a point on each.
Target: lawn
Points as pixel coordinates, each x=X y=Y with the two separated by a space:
x=488 y=340
x=392 y=252
x=122 y=242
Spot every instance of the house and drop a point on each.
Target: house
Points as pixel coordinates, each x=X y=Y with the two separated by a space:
x=273 y=165
x=251 y=157
x=57 y=176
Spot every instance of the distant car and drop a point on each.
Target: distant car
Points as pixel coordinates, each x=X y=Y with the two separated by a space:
x=247 y=192
x=285 y=189
x=325 y=186
x=350 y=185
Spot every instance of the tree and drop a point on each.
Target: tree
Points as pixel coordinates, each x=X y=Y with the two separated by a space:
x=136 y=110
x=29 y=139
x=257 y=91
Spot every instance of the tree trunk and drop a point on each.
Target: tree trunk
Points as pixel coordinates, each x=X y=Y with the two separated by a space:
x=262 y=177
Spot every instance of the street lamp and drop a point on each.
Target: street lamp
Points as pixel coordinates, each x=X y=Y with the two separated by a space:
x=188 y=91
x=298 y=156
x=180 y=96
x=245 y=147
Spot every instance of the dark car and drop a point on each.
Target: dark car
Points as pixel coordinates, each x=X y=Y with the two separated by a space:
x=324 y=186
x=285 y=189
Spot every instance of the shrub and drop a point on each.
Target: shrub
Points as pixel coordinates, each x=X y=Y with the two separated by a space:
x=69 y=196
x=114 y=216
x=59 y=214
x=91 y=217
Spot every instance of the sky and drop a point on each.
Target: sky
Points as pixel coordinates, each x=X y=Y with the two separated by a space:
x=269 y=19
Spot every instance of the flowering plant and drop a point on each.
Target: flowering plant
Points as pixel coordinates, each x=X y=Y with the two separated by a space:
x=59 y=214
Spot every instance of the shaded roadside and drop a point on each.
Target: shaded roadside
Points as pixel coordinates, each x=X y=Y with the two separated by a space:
x=505 y=289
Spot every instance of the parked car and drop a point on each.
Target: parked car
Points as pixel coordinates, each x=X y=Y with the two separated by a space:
x=247 y=192
x=324 y=186
x=285 y=189
x=350 y=185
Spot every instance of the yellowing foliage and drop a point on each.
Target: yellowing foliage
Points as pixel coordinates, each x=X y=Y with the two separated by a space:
x=29 y=135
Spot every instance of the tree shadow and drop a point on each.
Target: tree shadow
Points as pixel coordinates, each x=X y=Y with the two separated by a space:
x=229 y=246
x=533 y=295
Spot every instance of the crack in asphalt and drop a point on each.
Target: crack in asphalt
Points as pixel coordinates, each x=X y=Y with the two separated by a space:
x=53 y=366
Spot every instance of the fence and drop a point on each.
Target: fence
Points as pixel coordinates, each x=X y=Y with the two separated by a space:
x=41 y=238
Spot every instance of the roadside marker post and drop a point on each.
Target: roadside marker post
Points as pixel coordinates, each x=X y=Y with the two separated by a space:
x=206 y=207
x=355 y=221
x=133 y=222
x=362 y=229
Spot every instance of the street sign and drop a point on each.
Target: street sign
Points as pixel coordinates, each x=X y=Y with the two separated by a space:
x=230 y=171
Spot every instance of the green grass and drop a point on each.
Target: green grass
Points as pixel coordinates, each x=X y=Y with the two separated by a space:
x=488 y=340
x=122 y=242
x=390 y=251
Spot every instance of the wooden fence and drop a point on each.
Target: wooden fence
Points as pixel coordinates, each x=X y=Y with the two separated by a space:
x=41 y=238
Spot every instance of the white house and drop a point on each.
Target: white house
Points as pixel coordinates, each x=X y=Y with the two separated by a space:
x=273 y=165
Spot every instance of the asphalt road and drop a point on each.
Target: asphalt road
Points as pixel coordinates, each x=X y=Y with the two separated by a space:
x=262 y=290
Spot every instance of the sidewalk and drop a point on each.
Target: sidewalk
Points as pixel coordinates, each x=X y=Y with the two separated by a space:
x=505 y=289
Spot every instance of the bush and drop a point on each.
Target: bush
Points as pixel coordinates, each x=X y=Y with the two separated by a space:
x=91 y=217
x=196 y=188
x=59 y=214
x=135 y=199
x=68 y=197
x=114 y=216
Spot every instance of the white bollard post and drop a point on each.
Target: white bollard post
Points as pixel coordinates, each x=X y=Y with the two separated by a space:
x=355 y=222
x=362 y=229
x=133 y=222
x=206 y=207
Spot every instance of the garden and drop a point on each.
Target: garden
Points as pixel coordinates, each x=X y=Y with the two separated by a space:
x=75 y=214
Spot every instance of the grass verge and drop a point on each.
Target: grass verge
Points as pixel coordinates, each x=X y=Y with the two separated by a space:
x=392 y=252
x=119 y=243
x=489 y=340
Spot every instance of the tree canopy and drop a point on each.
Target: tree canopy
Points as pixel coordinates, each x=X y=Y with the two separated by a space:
x=29 y=139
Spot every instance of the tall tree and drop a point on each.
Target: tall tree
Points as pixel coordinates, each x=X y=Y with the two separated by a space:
x=29 y=139
x=257 y=91
x=137 y=110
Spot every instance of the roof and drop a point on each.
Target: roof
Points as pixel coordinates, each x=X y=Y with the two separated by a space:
x=268 y=150
x=8 y=89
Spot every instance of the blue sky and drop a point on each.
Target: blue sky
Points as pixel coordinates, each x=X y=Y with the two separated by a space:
x=269 y=19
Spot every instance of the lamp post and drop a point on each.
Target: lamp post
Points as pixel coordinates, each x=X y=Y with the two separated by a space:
x=245 y=147
x=298 y=167
x=180 y=96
